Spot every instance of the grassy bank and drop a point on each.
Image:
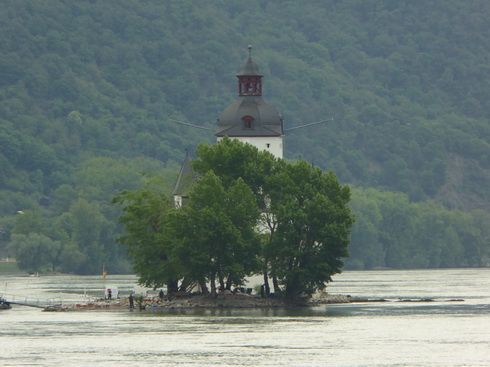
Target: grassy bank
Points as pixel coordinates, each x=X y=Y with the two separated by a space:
x=8 y=267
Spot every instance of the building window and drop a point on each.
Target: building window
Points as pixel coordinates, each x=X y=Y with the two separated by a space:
x=247 y=122
x=268 y=145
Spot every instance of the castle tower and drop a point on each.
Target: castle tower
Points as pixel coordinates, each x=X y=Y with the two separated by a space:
x=250 y=119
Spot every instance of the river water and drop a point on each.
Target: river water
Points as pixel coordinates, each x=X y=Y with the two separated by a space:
x=436 y=333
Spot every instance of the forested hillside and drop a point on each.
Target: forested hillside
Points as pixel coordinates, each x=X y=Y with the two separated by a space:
x=88 y=88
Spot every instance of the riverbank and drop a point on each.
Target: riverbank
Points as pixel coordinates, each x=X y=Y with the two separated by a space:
x=8 y=266
x=237 y=301
x=187 y=301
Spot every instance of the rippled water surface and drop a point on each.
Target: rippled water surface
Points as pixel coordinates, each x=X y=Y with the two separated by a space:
x=441 y=332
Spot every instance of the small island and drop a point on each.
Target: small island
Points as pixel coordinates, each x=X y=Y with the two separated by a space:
x=204 y=301
x=221 y=301
x=242 y=213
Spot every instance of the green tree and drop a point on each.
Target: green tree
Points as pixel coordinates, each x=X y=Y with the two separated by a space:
x=217 y=238
x=312 y=228
x=62 y=198
x=71 y=258
x=34 y=251
x=85 y=225
x=366 y=251
x=27 y=222
x=148 y=242
x=231 y=159
x=396 y=229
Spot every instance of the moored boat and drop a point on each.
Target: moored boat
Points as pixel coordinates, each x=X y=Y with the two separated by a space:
x=4 y=305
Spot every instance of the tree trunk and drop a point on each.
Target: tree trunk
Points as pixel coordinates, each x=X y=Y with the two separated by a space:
x=213 y=285
x=204 y=287
x=277 y=289
x=221 y=281
x=267 y=289
x=228 y=284
x=183 y=286
x=173 y=286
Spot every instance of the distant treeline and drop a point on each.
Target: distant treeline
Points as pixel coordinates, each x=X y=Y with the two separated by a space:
x=392 y=232
x=77 y=232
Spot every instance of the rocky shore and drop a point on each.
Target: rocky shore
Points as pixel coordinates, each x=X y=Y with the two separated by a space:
x=238 y=300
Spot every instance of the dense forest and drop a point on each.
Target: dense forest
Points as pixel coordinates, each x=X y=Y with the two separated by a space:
x=88 y=90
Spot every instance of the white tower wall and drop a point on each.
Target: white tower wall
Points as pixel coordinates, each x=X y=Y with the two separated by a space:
x=272 y=144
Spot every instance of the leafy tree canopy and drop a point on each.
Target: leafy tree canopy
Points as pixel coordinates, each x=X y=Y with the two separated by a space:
x=215 y=238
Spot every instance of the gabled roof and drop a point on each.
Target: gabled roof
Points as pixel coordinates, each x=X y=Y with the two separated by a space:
x=186 y=178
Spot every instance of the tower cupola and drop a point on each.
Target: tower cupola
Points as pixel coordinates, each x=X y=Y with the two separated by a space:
x=250 y=119
x=250 y=79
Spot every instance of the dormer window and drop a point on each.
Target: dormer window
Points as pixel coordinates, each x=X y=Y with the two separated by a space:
x=247 y=122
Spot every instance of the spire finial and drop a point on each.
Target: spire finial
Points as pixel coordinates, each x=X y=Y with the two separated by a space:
x=250 y=51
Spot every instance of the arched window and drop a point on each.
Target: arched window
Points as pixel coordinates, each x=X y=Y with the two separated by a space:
x=247 y=122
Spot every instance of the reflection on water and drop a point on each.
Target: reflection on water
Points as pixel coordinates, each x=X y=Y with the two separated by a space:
x=382 y=334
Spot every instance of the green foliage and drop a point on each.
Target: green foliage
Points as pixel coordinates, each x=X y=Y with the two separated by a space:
x=71 y=259
x=231 y=159
x=311 y=230
x=401 y=80
x=211 y=238
x=392 y=232
x=88 y=86
x=215 y=238
x=81 y=217
x=147 y=241
x=34 y=251
x=85 y=224
x=27 y=222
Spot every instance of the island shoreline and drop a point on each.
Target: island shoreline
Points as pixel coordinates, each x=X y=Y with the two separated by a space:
x=222 y=301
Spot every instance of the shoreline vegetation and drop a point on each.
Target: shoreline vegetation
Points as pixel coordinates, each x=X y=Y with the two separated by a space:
x=222 y=301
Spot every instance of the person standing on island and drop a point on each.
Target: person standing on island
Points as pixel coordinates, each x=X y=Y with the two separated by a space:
x=160 y=294
x=109 y=293
x=131 y=301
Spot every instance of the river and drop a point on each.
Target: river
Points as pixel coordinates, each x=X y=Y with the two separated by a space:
x=436 y=333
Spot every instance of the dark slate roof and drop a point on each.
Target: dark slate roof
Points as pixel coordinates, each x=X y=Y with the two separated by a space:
x=186 y=178
x=250 y=68
x=267 y=121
